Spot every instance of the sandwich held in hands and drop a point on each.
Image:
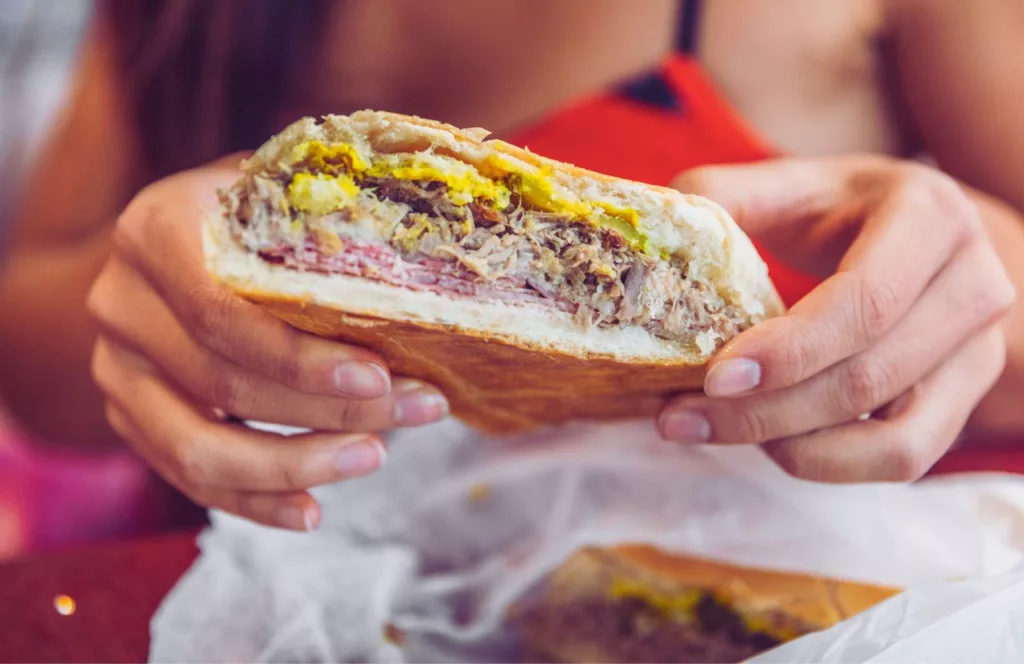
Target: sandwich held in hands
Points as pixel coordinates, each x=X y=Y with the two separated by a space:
x=529 y=291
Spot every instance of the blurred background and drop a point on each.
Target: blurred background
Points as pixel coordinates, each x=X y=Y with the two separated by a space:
x=39 y=40
x=39 y=46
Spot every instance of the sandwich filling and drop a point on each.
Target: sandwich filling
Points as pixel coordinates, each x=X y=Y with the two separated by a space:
x=631 y=630
x=597 y=603
x=431 y=222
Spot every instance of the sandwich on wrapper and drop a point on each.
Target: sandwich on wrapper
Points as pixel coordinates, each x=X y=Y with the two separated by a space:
x=530 y=291
x=640 y=604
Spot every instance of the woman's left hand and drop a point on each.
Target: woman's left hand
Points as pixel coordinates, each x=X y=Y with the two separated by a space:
x=875 y=373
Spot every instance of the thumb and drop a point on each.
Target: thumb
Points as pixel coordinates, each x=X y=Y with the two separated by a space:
x=769 y=198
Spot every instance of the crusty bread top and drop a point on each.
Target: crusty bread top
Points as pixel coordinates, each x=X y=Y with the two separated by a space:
x=697 y=229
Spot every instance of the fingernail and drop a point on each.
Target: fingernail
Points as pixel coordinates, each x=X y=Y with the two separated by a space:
x=359 y=459
x=295 y=517
x=685 y=426
x=308 y=520
x=732 y=377
x=418 y=404
x=364 y=380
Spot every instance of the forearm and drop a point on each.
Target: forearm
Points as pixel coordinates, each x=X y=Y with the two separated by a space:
x=46 y=340
x=1000 y=416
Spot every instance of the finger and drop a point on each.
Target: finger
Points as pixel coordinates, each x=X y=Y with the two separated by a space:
x=903 y=243
x=198 y=452
x=794 y=204
x=915 y=433
x=967 y=297
x=212 y=380
x=292 y=511
x=770 y=196
x=159 y=236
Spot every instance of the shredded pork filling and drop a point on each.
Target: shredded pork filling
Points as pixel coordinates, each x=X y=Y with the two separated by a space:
x=411 y=234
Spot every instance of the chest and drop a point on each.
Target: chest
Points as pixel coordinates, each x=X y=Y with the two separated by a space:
x=811 y=76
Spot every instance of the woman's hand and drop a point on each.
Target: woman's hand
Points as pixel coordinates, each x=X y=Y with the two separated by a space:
x=177 y=353
x=874 y=374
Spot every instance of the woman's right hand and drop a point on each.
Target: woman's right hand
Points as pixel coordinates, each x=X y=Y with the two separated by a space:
x=177 y=353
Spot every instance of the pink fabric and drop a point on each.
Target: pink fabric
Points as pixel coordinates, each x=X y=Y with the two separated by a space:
x=52 y=498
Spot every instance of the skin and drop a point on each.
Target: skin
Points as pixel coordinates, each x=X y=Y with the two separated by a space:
x=914 y=324
x=917 y=343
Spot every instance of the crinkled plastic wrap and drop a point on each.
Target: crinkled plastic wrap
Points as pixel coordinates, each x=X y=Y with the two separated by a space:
x=437 y=546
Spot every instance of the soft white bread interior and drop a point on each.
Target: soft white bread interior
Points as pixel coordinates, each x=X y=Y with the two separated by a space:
x=527 y=325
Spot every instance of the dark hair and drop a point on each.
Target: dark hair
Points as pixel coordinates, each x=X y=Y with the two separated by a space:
x=205 y=76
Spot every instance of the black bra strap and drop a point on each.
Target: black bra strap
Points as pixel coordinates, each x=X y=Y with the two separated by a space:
x=652 y=88
x=687 y=30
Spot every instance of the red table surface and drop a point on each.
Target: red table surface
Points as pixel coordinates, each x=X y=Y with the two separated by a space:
x=117 y=587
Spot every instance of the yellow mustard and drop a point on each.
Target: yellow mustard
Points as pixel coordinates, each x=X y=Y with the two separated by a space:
x=675 y=605
x=332 y=159
x=321 y=194
x=465 y=185
x=682 y=606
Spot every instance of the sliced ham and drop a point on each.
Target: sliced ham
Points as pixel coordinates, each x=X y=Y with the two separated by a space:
x=382 y=263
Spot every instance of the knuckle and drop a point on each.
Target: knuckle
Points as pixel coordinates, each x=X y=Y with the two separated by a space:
x=130 y=232
x=95 y=303
x=349 y=415
x=98 y=367
x=794 y=360
x=230 y=391
x=870 y=177
x=865 y=384
x=1000 y=295
x=990 y=302
x=210 y=316
x=208 y=498
x=954 y=206
x=105 y=375
x=100 y=301
x=117 y=421
x=751 y=426
x=288 y=368
x=695 y=180
x=905 y=461
x=792 y=461
x=191 y=463
x=878 y=304
x=928 y=187
x=246 y=505
x=290 y=477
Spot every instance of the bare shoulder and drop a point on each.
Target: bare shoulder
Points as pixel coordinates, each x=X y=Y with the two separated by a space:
x=804 y=73
x=959 y=66
x=952 y=13
x=83 y=173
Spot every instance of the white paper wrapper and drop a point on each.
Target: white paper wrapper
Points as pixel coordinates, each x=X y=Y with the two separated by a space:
x=455 y=528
